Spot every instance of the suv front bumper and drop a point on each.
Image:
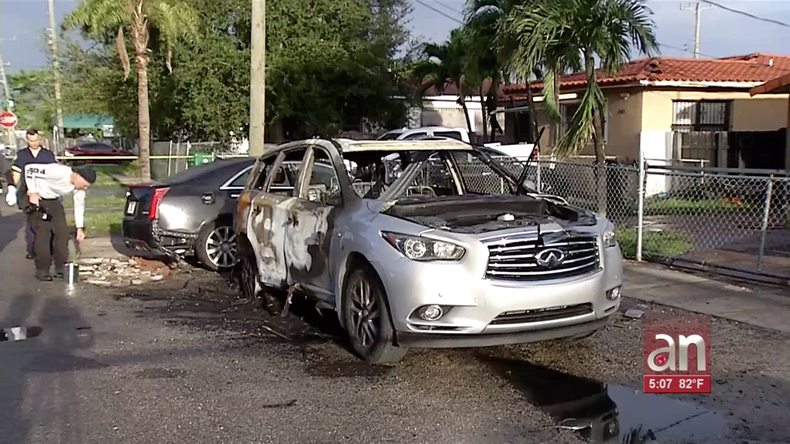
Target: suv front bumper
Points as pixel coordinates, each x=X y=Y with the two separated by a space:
x=480 y=311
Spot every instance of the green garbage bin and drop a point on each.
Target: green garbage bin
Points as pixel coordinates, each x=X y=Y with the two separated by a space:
x=201 y=158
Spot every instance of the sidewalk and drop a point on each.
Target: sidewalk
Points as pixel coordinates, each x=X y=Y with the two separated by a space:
x=754 y=304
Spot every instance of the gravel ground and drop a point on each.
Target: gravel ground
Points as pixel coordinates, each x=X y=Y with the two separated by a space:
x=183 y=360
x=461 y=388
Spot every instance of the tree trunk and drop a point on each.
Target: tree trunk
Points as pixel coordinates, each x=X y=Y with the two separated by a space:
x=495 y=101
x=533 y=119
x=462 y=100
x=557 y=126
x=484 y=114
x=600 y=149
x=140 y=40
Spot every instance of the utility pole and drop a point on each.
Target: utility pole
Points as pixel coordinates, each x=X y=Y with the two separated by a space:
x=257 y=78
x=698 y=13
x=53 y=40
x=7 y=97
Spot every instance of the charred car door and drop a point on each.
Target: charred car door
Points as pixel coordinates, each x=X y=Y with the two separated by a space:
x=311 y=219
x=270 y=215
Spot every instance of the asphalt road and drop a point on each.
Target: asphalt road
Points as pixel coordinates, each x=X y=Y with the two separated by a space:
x=184 y=361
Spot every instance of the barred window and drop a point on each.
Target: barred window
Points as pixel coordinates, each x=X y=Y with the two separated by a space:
x=699 y=115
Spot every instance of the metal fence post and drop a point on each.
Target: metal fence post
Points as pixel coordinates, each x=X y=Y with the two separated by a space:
x=539 y=180
x=169 y=155
x=766 y=214
x=640 y=205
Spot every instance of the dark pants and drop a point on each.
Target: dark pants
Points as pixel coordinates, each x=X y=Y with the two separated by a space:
x=55 y=231
x=30 y=235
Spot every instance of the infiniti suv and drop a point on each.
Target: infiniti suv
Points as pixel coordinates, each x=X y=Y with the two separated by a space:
x=428 y=243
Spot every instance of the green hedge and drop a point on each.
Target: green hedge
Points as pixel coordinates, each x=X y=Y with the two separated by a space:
x=658 y=243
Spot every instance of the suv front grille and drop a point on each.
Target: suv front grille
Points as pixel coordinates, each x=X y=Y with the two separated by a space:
x=543 y=314
x=532 y=257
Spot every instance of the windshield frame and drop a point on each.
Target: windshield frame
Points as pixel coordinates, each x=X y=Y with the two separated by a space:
x=399 y=186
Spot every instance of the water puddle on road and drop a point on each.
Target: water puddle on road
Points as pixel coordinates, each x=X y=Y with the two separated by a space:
x=606 y=413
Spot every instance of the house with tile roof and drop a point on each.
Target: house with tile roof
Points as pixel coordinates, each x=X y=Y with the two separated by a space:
x=651 y=99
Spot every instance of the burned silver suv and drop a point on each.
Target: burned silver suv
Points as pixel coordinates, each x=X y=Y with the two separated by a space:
x=429 y=243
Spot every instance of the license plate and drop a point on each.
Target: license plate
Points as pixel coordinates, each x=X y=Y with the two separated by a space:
x=131 y=207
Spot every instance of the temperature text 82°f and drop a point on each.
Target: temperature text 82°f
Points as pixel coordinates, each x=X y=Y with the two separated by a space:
x=676 y=384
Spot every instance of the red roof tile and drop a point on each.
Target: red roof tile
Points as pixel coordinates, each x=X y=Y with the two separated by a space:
x=748 y=68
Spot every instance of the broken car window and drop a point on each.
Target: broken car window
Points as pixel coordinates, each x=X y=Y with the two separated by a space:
x=324 y=185
x=283 y=178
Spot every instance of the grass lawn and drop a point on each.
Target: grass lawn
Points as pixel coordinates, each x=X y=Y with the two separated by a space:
x=93 y=202
x=659 y=243
x=675 y=206
x=100 y=223
x=106 y=174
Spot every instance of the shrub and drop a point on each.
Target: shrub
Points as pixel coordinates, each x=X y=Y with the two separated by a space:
x=655 y=243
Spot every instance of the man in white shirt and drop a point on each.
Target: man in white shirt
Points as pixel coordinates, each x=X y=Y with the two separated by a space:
x=46 y=184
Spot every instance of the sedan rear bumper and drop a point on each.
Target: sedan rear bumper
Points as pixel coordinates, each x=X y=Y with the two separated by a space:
x=145 y=235
x=410 y=339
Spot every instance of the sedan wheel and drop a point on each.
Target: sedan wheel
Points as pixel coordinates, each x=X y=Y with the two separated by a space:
x=217 y=248
x=221 y=247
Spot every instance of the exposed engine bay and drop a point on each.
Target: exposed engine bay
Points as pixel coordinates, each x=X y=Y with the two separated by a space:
x=482 y=213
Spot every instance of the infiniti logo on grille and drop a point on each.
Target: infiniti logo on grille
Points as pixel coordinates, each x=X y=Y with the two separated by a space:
x=550 y=258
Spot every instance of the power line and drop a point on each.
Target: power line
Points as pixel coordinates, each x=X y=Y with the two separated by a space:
x=686 y=50
x=736 y=11
x=448 y=7
x=438 y=11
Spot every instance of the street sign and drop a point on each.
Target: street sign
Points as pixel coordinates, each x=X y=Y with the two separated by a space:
x=8 y=120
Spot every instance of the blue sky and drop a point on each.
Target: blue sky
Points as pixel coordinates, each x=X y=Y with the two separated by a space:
x=723 y=33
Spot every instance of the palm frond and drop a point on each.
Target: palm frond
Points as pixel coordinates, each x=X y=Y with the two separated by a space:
x=120 y=45
x=175 y=19
x=583 y=122
x=551 y=106
x=97 y=17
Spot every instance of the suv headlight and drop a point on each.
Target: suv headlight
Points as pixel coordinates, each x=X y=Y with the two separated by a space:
x=422 y=249
x=609 y=238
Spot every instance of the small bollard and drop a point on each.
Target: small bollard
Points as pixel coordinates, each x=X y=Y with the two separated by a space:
x=72 y=274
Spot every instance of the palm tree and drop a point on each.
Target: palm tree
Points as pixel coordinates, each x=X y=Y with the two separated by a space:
x=488 y=58
x=446 y=64
x=553 y=31
x=174 y=20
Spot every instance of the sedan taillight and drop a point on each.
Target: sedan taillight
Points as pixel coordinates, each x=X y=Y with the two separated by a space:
x=159 y=194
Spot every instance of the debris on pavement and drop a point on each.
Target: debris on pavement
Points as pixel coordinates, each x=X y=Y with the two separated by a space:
x=105 y=272
x=634 y=313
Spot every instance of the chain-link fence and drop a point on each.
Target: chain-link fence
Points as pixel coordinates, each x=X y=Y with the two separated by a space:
x=734 y=219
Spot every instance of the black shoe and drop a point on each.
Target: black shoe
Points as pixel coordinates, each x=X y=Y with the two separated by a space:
x=31 y=256
x=59 y=274
x=43 y=276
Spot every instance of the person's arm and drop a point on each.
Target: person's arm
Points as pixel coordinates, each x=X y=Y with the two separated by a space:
x=16 y=172
x=31 y=177
x=79 y=214
x=4 y=168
